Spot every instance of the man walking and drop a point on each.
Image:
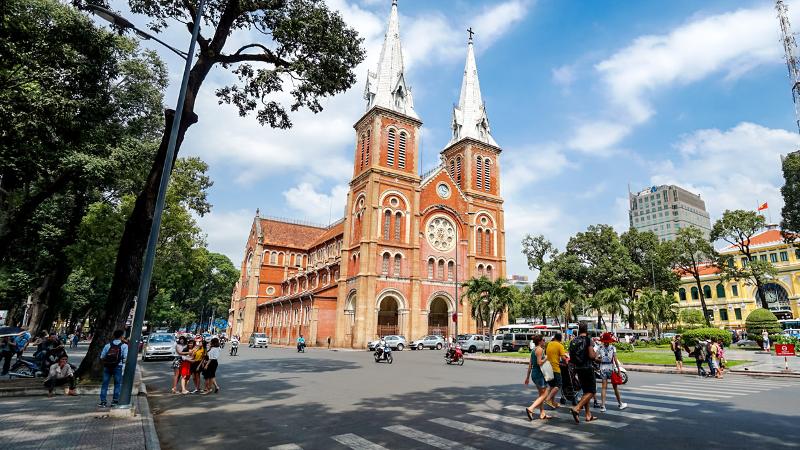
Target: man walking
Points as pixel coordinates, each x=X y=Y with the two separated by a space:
x=555 y=353
x=113 y=357
x=59 y=375
x=700 y=356
x=581 y=355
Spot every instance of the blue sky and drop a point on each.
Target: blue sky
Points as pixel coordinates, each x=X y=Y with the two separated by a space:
x=584 y=97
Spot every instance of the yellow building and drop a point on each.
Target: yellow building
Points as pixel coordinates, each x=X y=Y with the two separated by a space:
x=731 y=301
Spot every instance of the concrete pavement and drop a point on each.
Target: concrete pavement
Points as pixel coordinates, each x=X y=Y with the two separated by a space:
x=324 y=399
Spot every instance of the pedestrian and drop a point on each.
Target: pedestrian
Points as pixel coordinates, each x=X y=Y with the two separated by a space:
x=555 y=353
x=197 y=362
x=7 y=350
x=186 y=365
x=535 y=373
x=722 y=363
x=609 y=364
x=113 y=357
x=21 y=341
x=700 y=356
x=676 y=349
x=180 y=347
x=765 y=338
x=714 y=355
x=581 y=355
x=59 y=375
x=710 y=360
x=75 y=339
x=212 y=362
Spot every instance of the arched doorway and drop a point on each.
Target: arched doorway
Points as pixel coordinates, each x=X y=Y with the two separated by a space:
x=388 y=314
x=350 y=318
x=438 y=317
x=777 y=300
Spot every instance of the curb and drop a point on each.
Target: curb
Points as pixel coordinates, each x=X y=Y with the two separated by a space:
x=649 y=369
x=148 y=425
x=36 y=388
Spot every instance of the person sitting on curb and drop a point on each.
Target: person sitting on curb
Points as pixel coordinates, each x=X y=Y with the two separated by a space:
x=59 y=375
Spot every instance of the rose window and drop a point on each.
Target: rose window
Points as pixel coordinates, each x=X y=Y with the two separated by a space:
x=441 y=234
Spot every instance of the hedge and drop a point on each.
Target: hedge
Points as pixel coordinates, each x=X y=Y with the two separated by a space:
x=759 y=320
x=691 y=337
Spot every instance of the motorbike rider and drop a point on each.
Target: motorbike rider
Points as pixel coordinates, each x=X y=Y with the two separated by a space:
x=234 y=345
x=301 y=343
x=382 y=347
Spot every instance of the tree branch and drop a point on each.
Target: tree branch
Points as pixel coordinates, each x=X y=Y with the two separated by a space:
x=266 y=57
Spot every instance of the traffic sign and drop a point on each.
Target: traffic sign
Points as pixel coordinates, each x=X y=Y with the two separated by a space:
x=784 y=349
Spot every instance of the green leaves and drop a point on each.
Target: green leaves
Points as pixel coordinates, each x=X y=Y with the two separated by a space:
x=791 y=195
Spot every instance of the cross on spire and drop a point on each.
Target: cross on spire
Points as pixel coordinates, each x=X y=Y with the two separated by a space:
x=469 y=30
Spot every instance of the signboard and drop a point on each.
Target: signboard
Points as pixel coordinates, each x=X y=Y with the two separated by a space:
x=221 y=323
x=784 y=349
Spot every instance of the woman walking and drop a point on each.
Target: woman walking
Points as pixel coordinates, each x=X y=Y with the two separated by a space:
x=180 y=350
x=676 y=350
x=722 y=362
x=608 y=366
x=210 y=372
x=538 y=358
x=197 y=362
x=186 y=365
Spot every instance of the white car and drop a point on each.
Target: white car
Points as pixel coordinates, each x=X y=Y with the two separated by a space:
x=394 y=342
x=159 y=345
x=258 y=340
x=472 y=343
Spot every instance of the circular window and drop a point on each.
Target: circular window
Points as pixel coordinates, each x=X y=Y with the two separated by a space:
x=484 y=220
x=441 y=233
x=360 y=203
x=394 y=202
x=443 y=190
x=270 y=290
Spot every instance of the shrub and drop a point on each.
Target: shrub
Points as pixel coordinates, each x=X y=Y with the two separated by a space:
x=783 y=339
x=623 y=346
x=759 y=320
x=691 y=337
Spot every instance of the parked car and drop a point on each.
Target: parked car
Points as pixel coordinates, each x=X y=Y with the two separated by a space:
x=480 y=343
x=432 y=342
x=746 y=343
x=258 y=340
x=793 y=332
x=159 y=345
x=395 y=343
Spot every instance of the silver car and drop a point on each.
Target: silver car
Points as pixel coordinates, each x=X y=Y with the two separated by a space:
x=159 y=345
x=395 y=343
x=432 y=342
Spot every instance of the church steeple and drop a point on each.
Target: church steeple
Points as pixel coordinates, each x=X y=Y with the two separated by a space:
x=387 y=87
x=469 y=117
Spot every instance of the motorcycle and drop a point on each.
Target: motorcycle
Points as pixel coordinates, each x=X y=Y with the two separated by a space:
x=301 y=347
x=383 y=354
x=454 y=356
x=222 y=342
x=31 y=367
x=234 y=347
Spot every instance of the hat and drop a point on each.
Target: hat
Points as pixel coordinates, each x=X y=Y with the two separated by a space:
x=607 y=338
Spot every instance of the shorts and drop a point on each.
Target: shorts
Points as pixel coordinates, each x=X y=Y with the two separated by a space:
x=605 y=372
x=211 y=369
x=186 y=368
x=556 y=381
x=586 y=379
x=195 y=367
x=678 y=356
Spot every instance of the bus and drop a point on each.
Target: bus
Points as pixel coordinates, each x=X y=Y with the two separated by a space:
x=789 y=324
x=519 y=336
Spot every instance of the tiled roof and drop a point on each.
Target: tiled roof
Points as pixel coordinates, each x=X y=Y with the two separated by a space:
x=285 y=234
x=337 y=229
x=704 y=269
x=768 y=237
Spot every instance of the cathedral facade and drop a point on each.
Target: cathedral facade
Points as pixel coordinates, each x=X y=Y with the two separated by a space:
x=394 y=263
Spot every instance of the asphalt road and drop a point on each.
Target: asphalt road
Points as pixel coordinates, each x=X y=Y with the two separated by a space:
x=342 y=399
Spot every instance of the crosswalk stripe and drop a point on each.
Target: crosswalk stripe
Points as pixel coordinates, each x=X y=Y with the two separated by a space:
x=650 y=408
x=674 y=393
x=286 y=447
x=642 y=398
x=356 y=442
x=627 y=414
x=702 y=390
x=522 y=441
x=426 y=438
x=753 y=383
x=600 y=423
x=718 y=388
x=538 y=425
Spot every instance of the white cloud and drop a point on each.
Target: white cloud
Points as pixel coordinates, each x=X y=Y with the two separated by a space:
x=736 y=168
x=593 y=191
x=227 y=232
x=317 y=206
x=524 y=166
x=598 y=137
x=564 y=76
x=526 y=217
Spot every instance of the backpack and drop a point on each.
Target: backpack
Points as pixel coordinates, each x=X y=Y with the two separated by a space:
x=113 y=356
x=579 y=352
x=700 y=351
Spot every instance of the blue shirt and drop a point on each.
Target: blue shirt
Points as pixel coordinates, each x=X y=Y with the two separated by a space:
x=123 y=350
x=22 y=340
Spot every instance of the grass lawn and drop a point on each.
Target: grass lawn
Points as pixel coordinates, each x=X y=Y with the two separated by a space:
x=637 y=357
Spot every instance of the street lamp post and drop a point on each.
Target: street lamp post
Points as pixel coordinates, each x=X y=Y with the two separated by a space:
x=150 y=252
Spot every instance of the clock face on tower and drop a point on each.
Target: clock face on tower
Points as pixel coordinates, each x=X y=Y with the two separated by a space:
x=443 y=190
x=441 y=233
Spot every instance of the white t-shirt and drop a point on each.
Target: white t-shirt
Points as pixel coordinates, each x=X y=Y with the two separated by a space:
x=213 y=353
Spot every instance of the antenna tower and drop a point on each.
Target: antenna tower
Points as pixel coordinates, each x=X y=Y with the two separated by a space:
x=790 y=53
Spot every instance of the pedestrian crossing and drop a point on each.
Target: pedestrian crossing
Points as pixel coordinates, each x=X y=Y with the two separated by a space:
x=507 y=426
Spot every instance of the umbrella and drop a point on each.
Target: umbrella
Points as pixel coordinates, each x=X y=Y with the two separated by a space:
x=10 y=331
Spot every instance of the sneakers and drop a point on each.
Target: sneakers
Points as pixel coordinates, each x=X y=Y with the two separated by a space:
x=102 y=405
x=623 y=405
x=115 y=403
x=602 y=408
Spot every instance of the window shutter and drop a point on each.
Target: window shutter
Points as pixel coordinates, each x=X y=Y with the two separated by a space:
x=401 y=151
x=390 y=148
x=479 y=172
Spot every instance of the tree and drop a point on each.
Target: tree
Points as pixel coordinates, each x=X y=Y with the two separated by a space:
x=571 y=296
x=759 y=320
x=791 y=195
x=657 y=308
x=737 y=228
x=608 y=300
x=488 y=299
x=693 y=255
x=538 y=250
x=302 y=45
x=523 y=304
x=692 y=318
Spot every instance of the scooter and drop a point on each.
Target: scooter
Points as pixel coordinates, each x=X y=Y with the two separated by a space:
x=454 y=356
x=234 y=347
x=622 y=372
x=301 y=347
x=31 y=367
x=383 y=354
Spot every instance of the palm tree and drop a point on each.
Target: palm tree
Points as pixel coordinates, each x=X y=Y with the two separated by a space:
x=488 y=299
x=656 y=309
x=611 y=300
x=473 y=290
x=572 y=296
x=550 y=304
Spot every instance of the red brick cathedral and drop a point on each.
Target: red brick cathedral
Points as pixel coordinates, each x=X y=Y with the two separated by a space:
x=393 y=264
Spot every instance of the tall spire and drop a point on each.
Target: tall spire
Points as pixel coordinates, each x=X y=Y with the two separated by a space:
x=469 y=117
x=387 y=86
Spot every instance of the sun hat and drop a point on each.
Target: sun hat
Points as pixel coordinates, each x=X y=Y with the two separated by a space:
x=607 y=338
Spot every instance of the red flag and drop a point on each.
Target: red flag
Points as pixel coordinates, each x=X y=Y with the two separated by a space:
x=763 y=206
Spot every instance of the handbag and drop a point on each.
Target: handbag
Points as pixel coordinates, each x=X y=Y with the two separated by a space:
x=547 y=371
x=616 y=378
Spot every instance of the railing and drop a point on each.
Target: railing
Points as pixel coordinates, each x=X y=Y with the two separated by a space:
x=306 y=223
x=428 y=172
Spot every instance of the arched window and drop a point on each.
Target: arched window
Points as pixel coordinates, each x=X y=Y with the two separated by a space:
x=453 y=168
x=398 y=218
x=441 y=269
x=387 y=219
x=385 y=267
x=682 y=294
x=489 y=272
x=707 y=291
x=361 y=166
x=397 y=259
x=695 y=293
x=430 y=268
x=450 y=271
x=487 y=243
x=487 y=174
x=249 y=265
x=401 y=151
x=720 y=291
x=390 y=148
x=458 y=170
x=479 y=172
x=480 y=270
x=366 y=157
x=273 y=258
x=478 y=242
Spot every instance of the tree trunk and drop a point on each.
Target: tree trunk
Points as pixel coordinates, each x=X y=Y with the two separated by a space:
x=702 y=299
x=130 y=255
x=759 y=291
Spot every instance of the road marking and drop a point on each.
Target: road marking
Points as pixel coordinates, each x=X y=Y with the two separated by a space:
x=643 y=398
x=650 y=408
x=675 y=393
x=426 y=438
x=702 y=390
x=629 y=415
x=522 y=441
x=356 y=442
x=286 y=447
x=600 y=423
x=717 y=387
x=753 y=383
x=538 y=425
